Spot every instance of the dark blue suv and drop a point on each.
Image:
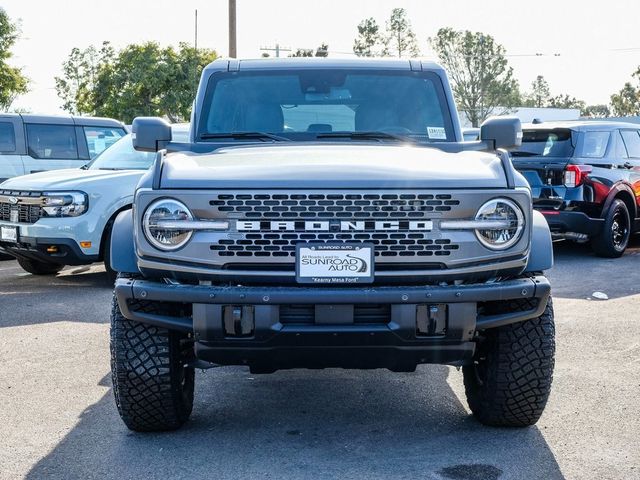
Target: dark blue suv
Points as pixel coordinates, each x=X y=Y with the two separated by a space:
x=585 y=180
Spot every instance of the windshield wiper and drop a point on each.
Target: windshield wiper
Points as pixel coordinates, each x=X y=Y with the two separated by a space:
x=367 y=136
x=249 y=135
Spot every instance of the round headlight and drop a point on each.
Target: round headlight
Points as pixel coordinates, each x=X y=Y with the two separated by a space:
x=161 y=224
x=505 y=223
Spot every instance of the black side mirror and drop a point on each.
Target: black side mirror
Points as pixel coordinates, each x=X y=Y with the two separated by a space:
x=150 y=134
x=503 y=132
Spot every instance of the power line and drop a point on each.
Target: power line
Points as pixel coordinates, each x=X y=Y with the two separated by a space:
x=277 y=49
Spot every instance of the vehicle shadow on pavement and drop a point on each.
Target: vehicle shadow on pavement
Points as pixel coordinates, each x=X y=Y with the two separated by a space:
x=307 y=424
x=76 y=294
x=583 y=273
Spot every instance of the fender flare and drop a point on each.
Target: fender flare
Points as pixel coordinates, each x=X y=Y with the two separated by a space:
x=541 y=254
x=123 y=250
x=615 y=190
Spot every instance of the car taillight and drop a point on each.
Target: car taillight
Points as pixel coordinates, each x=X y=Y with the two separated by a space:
x=574 y=175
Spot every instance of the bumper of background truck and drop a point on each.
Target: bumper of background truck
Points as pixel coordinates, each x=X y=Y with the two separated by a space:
x=244 y=325
x=563 y=222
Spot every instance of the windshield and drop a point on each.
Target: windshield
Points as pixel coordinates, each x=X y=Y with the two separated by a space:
x=546 y=143
x=315 y=103
x=122 y=156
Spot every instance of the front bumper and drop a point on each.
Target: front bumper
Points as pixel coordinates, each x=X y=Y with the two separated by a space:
x=64 y=233
x=67 y=252
x=274 y=343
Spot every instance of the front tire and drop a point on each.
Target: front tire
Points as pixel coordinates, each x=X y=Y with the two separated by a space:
x=153 y=389
x=613 y=240
x=509 y=383
x=35 y=267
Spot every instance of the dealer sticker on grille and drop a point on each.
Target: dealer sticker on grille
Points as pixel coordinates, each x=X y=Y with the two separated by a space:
x=334 y=263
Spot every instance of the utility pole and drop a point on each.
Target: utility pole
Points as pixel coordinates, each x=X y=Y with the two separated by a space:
x=233 y=52
x=195 y=48
x=482 y=60
x=276 y=49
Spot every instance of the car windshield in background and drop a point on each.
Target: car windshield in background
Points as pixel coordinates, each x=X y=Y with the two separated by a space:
x=310 y=104
x=122 y=156
x=546 y=143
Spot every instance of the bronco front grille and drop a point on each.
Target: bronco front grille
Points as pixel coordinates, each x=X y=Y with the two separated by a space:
x=367 y=205
x=333 y=207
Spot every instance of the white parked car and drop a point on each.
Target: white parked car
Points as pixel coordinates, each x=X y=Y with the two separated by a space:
x=64 y=217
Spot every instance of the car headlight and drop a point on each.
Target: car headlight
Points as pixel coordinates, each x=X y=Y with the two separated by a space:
x=505 y=224
x=65 y=204
x=159 y=224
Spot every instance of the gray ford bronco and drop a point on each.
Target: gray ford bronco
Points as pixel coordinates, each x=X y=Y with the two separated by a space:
x=326 y=213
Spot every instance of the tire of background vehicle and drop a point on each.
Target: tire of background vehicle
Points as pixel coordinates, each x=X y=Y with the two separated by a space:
x=6 y=256
x=509 y=383
x=613 y=240
x=39 y=268
x=152 y=387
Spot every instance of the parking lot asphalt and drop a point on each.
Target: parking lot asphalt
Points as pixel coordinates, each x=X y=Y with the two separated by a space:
x=58 y=418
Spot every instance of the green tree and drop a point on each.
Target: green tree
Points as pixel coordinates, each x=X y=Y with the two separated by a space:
x=368 y=39
x=12 y=81
x=566 y=101
x=627 y=101
x=321 y=51
x=77 y=84
x=481 y=76
x=596 y=111
x=302 y=52
x=138 y=80
x=400 y=39
x=540 y=93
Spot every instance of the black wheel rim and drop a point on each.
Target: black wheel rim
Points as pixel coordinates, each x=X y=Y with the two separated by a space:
x=619 y=230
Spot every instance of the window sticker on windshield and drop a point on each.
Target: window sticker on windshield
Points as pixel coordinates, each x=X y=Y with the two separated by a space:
x=436 y=133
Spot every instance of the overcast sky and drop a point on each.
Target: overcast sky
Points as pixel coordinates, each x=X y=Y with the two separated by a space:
x=597 y=42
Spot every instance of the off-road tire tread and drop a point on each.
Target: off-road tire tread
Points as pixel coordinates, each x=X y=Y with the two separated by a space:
x=145 y=363
x=520 y=362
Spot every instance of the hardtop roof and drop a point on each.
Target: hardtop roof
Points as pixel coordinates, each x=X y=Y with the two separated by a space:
x=580 y=125
x=64 y=119
x=323 y=63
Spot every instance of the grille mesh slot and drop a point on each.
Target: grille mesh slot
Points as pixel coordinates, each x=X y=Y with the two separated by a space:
x=362 y=313
x=280 y=244
x=318 y=206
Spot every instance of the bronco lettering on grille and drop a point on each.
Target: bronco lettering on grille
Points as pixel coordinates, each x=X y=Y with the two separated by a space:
x=332 y=226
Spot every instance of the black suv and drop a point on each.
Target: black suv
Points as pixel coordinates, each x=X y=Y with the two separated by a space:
x=585 y=180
